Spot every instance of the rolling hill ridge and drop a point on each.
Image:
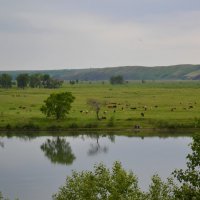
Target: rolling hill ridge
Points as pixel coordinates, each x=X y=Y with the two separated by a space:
x=174 y=72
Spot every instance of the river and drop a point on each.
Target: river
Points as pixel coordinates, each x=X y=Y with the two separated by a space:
x=35 y=167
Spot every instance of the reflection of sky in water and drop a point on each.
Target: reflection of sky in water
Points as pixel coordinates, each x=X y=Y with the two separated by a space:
x=26 y=173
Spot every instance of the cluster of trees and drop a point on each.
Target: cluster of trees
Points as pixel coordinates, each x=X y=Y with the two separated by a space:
x=117 y=79
x=5 y=81
x=33 y=81
x=117 y=183
x=37 y=81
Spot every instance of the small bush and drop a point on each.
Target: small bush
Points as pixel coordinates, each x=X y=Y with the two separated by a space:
x=30 y=126
x=54 y=128
x=91 y=125
x=73 y=125
x=8 y=127
x=111 y=122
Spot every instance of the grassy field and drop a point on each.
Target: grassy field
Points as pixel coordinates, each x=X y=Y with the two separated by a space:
x=164 y=105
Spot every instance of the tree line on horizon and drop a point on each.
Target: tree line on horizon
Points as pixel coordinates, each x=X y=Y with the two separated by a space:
x=43 y=81
x=34 y=81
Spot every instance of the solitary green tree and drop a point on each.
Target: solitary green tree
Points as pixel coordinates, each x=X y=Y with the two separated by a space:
x=5 y=81
x=58 y=105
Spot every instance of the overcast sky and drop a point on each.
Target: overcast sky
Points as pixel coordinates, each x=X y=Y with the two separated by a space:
x=57 y=34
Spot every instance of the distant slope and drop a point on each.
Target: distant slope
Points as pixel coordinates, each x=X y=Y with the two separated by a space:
x=175 y=72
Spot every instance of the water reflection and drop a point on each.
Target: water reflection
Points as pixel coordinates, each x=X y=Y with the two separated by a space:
x=96 y=148
x=30 y=158
x=1 y=144
x=58 y=150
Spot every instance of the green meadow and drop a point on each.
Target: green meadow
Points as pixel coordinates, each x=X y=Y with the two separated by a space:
x=148 y=105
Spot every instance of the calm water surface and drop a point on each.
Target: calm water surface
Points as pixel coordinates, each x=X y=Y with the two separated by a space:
x=34 y=168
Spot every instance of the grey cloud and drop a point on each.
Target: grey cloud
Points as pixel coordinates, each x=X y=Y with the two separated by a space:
x=98 y=33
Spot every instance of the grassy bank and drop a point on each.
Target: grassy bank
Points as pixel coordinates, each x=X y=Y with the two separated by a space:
x=163 y=104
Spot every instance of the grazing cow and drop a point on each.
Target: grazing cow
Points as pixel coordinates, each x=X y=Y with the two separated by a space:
x=133 y=108
x=137 y=126
x=190 y=107
x=172 y=109
x=142 y=114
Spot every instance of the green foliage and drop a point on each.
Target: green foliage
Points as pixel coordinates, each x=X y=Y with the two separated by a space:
x=45 y=81
x=35 y=80
x=117 y=79
x=159 y=190
x=58 y=105
x=5 y=81
x=190 y=178
x=101 y=184
x=22 y=80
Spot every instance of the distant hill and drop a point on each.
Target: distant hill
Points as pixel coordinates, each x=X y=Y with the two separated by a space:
x=174 y=72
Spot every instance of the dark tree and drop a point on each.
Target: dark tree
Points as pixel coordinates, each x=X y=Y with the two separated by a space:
x=22 y=80
x=58 y=151
x=95 y=105
x=58 y=105
x=35 y=80
x=46 y=80
x=117 y=79
x=53 y=83
x=5 y=81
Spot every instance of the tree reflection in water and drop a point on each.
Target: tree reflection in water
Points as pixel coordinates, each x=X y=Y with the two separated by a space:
x=58 y=150
x=97 y=148
x=1 y=144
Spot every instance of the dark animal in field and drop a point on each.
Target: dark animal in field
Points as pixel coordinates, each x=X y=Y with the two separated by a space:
x=113 y=103
x=103 y=117
x=190 y=107
x=156 y=106
x=133 y=108
x=114 y=111
x=142 y=114
x=122 y=108
x=137 y=126
x=112 y=106
x=172 y=109
x=81 y=111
